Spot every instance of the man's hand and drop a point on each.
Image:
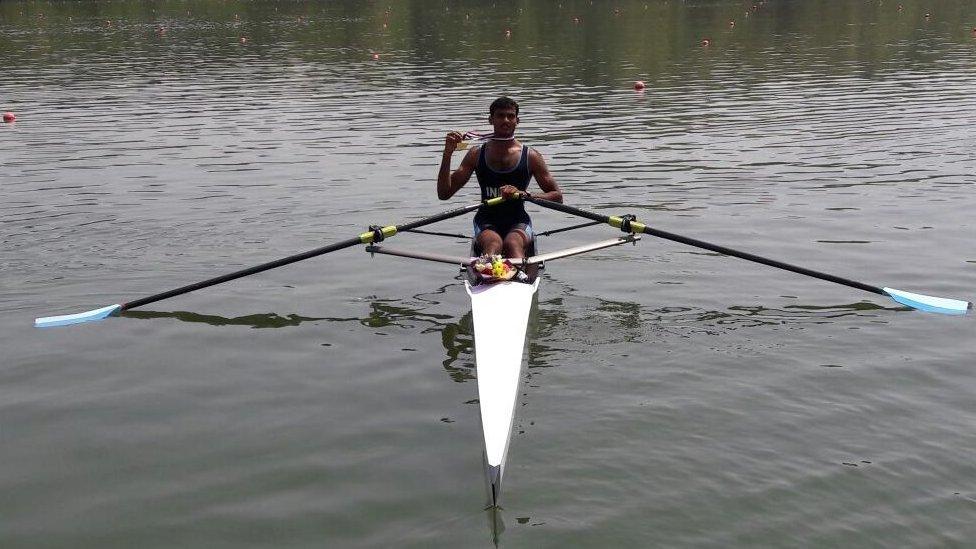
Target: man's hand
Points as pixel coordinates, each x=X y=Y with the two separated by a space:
x=449 y=182
x=510 y=191
x=451 y=141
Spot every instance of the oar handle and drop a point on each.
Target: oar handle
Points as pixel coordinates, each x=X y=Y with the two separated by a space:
x=635 y=226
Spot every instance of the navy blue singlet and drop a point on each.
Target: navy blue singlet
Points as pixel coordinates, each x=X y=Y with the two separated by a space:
x=507 y=215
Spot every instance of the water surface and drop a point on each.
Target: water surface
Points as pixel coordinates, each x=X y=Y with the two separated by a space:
x=672 y=398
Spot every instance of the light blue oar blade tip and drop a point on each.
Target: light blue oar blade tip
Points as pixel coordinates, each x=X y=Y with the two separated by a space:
x=77 y=318
x=929 y=303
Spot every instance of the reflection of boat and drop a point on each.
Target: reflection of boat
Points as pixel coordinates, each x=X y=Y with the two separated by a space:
x=501 y=314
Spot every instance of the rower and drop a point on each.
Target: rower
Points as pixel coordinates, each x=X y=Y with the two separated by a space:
x=504 y=167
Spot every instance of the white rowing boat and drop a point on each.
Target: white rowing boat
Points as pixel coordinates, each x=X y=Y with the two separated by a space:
x=501 y=315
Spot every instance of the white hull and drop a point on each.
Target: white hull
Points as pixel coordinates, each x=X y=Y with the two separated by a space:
x=501 y=315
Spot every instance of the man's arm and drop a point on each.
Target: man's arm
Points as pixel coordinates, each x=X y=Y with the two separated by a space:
x=550 y=190
x=449 y=182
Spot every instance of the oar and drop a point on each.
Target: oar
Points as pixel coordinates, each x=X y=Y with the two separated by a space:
x=375 y=235
x=916 y=301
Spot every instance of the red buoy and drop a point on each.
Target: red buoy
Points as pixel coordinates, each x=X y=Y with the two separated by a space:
x=9 y=117
x=376 y=57
x=706 y=42
x=639 y=85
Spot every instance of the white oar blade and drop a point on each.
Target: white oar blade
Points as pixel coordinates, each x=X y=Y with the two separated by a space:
x=77 y=318
x=929 y=303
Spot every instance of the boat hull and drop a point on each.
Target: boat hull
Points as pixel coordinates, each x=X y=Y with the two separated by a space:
x=501 y=315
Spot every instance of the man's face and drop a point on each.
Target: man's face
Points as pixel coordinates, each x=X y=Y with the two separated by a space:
x=504 y=121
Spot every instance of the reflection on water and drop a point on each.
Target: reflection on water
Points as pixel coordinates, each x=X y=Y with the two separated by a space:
x=458 y=341
x=496 y=524
x=266 y=320
x=742 y=316
x=558 y=326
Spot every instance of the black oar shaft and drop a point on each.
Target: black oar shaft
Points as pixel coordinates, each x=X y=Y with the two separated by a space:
x=640 y=227
x=241 y=273
x=760 y=259
x=570 y=228
x=365 y=238
x=559 y=206
x=439 y=233
x=443 y=215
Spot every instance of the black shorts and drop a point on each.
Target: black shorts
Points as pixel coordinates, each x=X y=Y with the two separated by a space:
x=503 y=231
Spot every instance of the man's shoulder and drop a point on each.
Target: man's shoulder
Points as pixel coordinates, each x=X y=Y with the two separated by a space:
x=471 y=155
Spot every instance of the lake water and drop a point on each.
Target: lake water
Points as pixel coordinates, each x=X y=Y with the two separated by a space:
x=673 y=397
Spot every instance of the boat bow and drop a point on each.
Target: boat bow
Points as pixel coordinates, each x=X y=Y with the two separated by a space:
x=501 y=315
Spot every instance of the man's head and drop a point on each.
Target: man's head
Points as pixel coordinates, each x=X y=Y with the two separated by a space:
x=503 y=103
x=503 y=116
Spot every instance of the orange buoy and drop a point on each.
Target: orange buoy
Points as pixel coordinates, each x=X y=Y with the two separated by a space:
x=639 y=85
x=9 y=117
x=376 y=57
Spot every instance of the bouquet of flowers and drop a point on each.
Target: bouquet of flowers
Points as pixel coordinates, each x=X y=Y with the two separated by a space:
x=494 y=268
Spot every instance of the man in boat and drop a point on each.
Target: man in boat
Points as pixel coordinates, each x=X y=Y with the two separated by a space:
x=504 y=167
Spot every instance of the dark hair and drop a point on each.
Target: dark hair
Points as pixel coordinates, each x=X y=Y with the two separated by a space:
x=503 y=103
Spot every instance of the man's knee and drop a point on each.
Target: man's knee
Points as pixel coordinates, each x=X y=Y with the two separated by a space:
x=489 y=241
x=516 y=243
x=488 y=236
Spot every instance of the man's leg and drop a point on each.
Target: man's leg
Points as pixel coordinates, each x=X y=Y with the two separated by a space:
x=489 y=241
x=516 y=241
